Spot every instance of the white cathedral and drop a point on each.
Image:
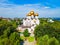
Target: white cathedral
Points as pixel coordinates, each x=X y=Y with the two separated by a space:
x=30 y=22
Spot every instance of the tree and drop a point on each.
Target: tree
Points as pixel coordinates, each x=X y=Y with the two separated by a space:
x=4 y=41
x=43 y=40
x=53 y=41
x=8 y=34
x=14 y=38
x=42 y=30
x=26 y=33
x=17 y=42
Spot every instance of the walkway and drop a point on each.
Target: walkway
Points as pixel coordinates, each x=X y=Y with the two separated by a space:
x=29 y=43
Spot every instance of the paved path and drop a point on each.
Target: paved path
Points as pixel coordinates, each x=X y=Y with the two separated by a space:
x=26 y=42
x=29 y=43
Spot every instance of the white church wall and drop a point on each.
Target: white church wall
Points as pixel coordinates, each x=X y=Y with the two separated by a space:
x=28 y=17
x=32 y=28
x=32 y=16
x=37 y=22
x=32 y=22
x=24 y=22
x=29 y=29
x=36 y=17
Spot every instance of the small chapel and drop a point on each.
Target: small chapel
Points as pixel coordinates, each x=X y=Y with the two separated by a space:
x=30 y=22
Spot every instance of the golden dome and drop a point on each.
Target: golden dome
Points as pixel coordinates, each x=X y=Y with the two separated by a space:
x=32 y=12
x=29 y=14
x=36 y=14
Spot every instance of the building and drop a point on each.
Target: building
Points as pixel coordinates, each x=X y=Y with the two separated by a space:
x=29 y=22
x=50 y=20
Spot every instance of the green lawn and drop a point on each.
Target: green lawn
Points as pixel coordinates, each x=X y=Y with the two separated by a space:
x=22 y=37
x=30 y=39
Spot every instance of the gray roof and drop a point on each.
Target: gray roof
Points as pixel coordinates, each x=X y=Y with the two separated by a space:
x=24 y=26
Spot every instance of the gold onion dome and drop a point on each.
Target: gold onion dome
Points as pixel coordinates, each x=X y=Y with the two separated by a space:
x=32 y=12
x=36 y=14
x=29 y=14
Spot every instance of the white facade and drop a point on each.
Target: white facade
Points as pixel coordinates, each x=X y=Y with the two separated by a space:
x=28 y=17
x=32 y=16
x=50 y=20
x=30 y=23
x=36 y=17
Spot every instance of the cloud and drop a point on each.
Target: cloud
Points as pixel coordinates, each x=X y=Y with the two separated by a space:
x=47 y=7
x=13 y=10
x=4 y=1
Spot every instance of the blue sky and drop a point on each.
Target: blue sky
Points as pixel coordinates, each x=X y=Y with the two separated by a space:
x=19 y=8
